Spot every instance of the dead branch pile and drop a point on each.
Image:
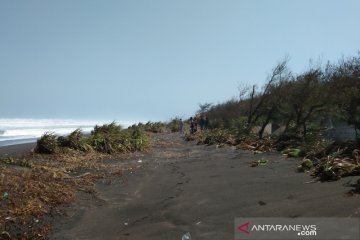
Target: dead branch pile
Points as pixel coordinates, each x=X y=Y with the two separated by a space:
x=257 y=145
x=36 y=187
x=333 y=168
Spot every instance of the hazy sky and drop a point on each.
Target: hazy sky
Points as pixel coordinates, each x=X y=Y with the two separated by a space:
x=139 y=60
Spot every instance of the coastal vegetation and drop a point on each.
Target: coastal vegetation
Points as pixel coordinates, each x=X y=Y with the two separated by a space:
x=300 y=106
x=35 y=185
x=159 y=127
x=108 y=138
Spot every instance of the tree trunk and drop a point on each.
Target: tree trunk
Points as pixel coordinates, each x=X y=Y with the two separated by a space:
x=251 y=105
x=288 y=123
x=304 y=129
x=268 y=117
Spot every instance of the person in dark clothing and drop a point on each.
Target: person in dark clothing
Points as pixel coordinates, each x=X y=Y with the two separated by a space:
x=202 y=123
x=192 y=126
x=181 y=126
x=195 y=124
x=206 y=122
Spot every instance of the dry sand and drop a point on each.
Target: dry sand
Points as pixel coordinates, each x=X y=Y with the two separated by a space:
x=16 y=150
x=180 y=187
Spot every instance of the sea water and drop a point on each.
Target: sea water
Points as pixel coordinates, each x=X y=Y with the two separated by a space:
x=16 y=131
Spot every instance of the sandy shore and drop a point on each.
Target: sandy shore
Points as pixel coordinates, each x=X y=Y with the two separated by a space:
x=180 y=186
x=16 y=150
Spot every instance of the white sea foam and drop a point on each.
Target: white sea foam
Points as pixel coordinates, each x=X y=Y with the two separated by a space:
x=17 y=129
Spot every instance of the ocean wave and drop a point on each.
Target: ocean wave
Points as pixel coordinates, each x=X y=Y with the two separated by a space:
x=34 y=128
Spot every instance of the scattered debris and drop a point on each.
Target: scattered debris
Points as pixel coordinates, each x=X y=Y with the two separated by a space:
x=356 y=187
x=261 y=162
x=305 y=165
x=293 y=152
x=29 y=193
x=220 y=145
x=5 y=235
x=186 y=236
x=256 y=145
x=333 y=168
x=313 y=181
x=5 y=195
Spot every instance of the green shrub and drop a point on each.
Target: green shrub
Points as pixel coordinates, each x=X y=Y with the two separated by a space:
x=76 y=141
x=138 y=140
x=107 y=138
x=110 y=139
x=239 y=127
x=294 y=152
x=47 y=144
x=109 y=129
x=305 y=165
x=173 y=125
x=104 y=138
x=190 y=137
x=215 y=136
x=155 y=127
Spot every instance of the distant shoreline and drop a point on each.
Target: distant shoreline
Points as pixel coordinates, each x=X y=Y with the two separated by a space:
x=6 y=143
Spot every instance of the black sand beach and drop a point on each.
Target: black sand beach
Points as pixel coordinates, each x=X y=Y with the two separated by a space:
x=16 y=150
x=180 y=186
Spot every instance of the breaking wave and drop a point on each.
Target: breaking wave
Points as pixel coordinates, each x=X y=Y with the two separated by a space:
x=16 y=129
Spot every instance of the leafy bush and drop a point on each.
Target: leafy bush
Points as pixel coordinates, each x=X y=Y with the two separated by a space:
x=155 y=127
x=305 y=165
x=47 y=144
x=294 y=152
x=215 y=136
x=110 y=138
x=239 y=126
x=137 y=139
x=109 y=129
x=76 y=141
x=107 y=138
x=190 y=137
x=173 y=125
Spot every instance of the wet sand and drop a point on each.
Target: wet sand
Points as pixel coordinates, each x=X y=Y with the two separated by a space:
x=180 y=186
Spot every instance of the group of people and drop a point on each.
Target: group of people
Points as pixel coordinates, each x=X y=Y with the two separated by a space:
x=201 y=121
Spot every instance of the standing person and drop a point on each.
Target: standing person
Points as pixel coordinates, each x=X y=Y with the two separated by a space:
x=206 y=122
x=181 y=126
x=195 y=123
x=192 y=125
x=202 y=123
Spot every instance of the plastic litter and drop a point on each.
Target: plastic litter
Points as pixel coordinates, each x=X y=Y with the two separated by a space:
x=6 y=195
x=186 y=236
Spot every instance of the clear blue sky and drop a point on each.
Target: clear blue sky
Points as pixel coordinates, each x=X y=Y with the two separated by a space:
x=156 y=59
